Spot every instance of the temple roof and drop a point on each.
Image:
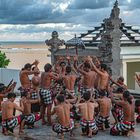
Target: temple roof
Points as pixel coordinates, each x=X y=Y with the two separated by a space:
x=130 y=37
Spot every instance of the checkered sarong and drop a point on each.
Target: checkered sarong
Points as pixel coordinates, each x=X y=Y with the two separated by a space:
x=88 y=123
x=34 y=95
x=30 y=119
x=83 y=90
x=11 y=123
x=100 y=120
x=122 y=127
x=119 y=112
x=58 y=128
x=46 y=96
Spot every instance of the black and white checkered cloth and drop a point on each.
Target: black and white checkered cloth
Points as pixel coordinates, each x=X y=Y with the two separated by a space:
x=34 y=95
x=30 y=118
x=91 y=124
x=58 y=128
x=10 y=123
x=46 y=96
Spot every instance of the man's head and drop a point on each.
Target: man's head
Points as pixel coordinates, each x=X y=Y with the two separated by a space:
x=87 y=95
x=68 y=69
x=120 y=80
x=27 y=66
x=119 y=90
x=11 y=96
x=60 y=98
x=87 y=66
x=47 y=67
x=62 y=64
x=127 y=96
x=25 y=95
x=36 y=69
x=103 y=67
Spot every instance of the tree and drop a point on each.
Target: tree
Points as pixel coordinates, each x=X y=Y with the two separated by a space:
x=3 y=60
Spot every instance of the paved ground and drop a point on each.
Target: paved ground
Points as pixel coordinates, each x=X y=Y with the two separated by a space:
x=45 y=133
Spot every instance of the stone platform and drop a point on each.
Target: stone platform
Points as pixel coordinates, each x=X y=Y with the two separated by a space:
x=45 y=133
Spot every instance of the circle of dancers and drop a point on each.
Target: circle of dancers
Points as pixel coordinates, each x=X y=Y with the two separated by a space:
x=68 y=95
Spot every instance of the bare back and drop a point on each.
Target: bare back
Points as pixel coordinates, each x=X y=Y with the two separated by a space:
x=87 y=110
x=128 y=110
x=105 y=106
x=89 y=79
x=7 y=109
x=63 y=113
x=69 y=81
x=103 y=81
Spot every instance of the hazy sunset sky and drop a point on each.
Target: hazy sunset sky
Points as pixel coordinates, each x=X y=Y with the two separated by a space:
x=34 y=20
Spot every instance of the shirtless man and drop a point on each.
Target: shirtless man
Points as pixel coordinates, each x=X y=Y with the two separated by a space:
x=126 y=127
x=35 y=90
x=118 y=84
x=89 y=77
x=103 y=117
x=87 y=113
x=24 y=76
x=9 y=121
x=45 y=92
x=62 y=110
x=103 y=76
x=117 y=111
x=69 y=80
x=30 y=118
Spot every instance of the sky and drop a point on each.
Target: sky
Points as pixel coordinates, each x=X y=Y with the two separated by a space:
x=34 y=20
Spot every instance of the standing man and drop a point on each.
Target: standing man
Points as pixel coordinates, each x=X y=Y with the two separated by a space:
x=24 y=76
x=47 y=78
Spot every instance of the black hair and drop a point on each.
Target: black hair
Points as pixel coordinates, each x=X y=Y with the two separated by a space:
x=87 y=65
x=33 y=68
x=26 y=66
x=87 y=95
x=102 y=93
x=47 y=67
x=60 y=98
x=62 y=63
x=24 y=94
x=104 y=66
x=2 y=87
x=119 y=90
x=68 y=69
x=11 y=95
x=121 y=78
x=127 y=96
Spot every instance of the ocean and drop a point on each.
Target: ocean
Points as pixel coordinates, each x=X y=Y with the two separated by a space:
x=22 y=52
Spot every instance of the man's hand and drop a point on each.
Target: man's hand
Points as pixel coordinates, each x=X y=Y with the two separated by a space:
x=75 y=58
x=68 y=57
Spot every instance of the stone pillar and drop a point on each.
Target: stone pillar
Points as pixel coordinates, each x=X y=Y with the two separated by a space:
x=116 y=36
x=54 y=44
x=109 y=48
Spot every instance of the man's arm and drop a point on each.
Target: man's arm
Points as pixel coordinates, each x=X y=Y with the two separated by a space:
x=53 y=111
x=94 y=67
x=19 y=108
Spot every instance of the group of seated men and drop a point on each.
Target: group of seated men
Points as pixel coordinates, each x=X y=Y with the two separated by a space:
x=81 y=93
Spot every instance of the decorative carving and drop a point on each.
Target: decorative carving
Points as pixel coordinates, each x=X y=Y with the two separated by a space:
x=54 y=43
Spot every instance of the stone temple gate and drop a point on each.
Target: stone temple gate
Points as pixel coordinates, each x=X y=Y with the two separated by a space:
x=104 y=41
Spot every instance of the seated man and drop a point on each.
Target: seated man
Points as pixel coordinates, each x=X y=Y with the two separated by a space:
x=9 y=121
x=30 y=118
x=62 y=111
x=117 y=111
x=137 y=110
x=126 y=127
x=103 y=117
x=86 y=109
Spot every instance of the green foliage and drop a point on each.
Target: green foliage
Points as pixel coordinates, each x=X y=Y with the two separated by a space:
x=3 y=60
